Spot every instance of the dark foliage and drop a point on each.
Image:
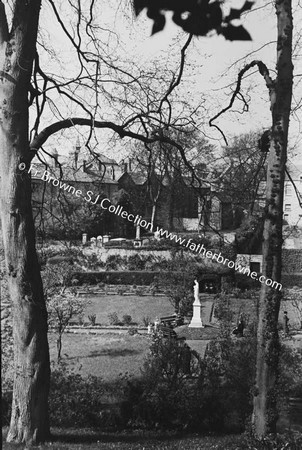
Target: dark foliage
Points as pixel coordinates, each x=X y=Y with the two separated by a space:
x=196 y=17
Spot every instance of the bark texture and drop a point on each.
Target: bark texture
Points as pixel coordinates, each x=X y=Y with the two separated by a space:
x=265 y=412
x=29 y=419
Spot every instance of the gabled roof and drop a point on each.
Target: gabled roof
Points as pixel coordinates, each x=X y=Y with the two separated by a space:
x=102 y=158
x=295 y=170
x=138 y=178
x=70 y=174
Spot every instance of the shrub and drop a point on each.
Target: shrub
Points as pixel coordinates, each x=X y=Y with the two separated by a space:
x=137 y=262
x=74 y=400
x=228 y=381
x=139 y=291
x=113 y=318
x=165 y=396
x=121 y=290
x=146 y=320
x=116 y=277
x=127 y=319
x=81 y=319
x=113 y=262
x=92 y=319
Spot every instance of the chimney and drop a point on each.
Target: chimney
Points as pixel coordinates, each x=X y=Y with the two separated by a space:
x=130 y=164
x=56 y=156
x=84 y=165
x=76 y=152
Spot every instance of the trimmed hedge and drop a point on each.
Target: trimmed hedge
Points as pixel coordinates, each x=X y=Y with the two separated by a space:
x=289 y=280
x=131 y=277
x=143 y=277
x=140 y=277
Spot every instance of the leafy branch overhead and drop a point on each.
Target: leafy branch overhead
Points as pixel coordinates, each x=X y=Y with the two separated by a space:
x=197 y=17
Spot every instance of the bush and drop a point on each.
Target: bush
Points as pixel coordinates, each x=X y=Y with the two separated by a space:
x=137 y=262
x=92 y=319
x=74 y=400
x=166 y=396
x=113 y=318
x=116 y=277
x=127 y=319
x=146 y=320
x=121 y=290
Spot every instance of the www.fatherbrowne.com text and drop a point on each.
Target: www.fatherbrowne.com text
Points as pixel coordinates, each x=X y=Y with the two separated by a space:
x=118 y=210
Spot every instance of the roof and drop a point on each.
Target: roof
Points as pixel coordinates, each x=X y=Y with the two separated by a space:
x=295 y=170
x=69 y=174
x=102 y=158
x=138 y=178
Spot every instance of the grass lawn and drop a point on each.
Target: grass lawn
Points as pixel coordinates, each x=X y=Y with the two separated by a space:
x=87 y=439
x=137 y=307
x=106 y=355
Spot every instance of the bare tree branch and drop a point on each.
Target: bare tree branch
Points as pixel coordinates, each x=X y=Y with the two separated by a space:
x=270 y=83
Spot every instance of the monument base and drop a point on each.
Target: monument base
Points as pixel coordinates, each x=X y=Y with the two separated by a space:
x=196 y=324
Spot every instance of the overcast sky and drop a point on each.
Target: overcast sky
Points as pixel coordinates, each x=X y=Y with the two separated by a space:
x=212 y=65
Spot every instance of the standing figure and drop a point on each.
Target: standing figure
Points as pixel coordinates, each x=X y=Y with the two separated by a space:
x=196 y=291
x=285 y=323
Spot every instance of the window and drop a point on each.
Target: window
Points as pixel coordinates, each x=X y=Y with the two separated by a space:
x=287 y=207
x=288 y=190
x=255 y=267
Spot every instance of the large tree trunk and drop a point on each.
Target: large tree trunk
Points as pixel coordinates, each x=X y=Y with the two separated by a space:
x=265 y=412
x=29 y=420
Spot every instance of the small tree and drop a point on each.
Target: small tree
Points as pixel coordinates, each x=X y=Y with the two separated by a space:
x=61 y=309
x=62 y=301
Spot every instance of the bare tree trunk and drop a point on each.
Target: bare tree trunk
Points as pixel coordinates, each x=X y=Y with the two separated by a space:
x=265 y=412
x=59 y=347
x=29 y=419
x=153 y=214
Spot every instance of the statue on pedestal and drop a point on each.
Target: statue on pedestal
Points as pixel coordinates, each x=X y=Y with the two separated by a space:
x=196 y=321
x=196 y=291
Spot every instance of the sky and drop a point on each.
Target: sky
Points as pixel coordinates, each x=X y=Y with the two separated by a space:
x=209 y=76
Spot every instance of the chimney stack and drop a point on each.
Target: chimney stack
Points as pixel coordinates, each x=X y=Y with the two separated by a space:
x=76 y=152
x=56 y=157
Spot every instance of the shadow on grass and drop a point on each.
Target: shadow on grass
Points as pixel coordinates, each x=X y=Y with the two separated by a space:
x=112 y=352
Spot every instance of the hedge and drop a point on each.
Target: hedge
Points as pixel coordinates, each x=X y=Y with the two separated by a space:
x=289 y=280
x=139 y=277
x=142 y=277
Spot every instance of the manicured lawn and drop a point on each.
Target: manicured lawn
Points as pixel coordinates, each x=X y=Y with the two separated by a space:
x=111 y=354
x=105 y=356
x=137 y=307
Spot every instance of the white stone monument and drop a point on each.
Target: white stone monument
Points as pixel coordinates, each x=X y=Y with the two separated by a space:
x=196 y=321
x=84 y=238
x=138 y=232
x=99 y=241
